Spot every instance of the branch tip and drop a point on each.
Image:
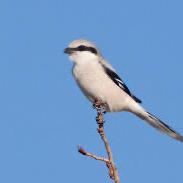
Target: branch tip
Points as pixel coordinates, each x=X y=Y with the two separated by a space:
x=82 y=151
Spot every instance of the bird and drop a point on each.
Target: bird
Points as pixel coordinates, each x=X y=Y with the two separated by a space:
x=99 y=81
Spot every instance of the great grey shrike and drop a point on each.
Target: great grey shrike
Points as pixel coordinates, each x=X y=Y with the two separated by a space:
x=99 y=82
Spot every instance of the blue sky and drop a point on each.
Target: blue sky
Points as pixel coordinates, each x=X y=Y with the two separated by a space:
x=44 y=116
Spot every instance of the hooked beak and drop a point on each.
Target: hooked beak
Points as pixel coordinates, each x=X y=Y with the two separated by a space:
x=68 y=50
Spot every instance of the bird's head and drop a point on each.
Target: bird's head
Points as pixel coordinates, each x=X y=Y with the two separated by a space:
x=80 y=50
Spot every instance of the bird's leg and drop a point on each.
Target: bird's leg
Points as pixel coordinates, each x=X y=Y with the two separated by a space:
x=96 y=104
x=99 y=106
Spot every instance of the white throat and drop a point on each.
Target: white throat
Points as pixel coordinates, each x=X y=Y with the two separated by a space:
x=82 y=58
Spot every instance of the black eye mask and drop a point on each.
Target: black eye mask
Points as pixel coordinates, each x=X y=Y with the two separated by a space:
x=86 y=48
x=80 y=48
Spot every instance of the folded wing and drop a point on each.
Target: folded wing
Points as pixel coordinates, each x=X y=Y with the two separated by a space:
x=119 y=82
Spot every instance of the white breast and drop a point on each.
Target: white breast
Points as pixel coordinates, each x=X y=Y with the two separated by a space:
x=96 y=85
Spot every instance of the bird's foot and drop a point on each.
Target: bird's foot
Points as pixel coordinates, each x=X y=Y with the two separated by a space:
x=99 y=106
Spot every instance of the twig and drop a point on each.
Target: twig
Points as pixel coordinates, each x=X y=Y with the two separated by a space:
x=99 y=158
x=113 y=172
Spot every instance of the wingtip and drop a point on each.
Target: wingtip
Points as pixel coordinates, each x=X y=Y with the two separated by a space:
x=136 y=99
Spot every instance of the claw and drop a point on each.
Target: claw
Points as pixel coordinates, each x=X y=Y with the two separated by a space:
x=96 y=106
x=99 y=106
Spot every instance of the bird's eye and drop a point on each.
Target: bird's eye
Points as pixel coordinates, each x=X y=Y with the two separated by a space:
x=85 y=48
x=81 y=48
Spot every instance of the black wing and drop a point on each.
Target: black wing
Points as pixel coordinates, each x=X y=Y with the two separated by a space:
x=118 y=81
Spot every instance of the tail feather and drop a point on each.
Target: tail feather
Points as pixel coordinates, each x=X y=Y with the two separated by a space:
x=159 y=125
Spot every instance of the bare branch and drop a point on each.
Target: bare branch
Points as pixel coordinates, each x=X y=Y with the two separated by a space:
x=113 y=172
x=111 y=166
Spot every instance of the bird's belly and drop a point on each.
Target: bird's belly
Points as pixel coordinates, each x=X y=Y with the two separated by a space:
x=97 y=86
x=92 y=87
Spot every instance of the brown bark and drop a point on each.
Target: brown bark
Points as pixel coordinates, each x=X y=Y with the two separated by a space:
x=113 y=172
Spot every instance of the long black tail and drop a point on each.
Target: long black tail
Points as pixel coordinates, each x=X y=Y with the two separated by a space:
x=161 y=126
x=138 y=110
